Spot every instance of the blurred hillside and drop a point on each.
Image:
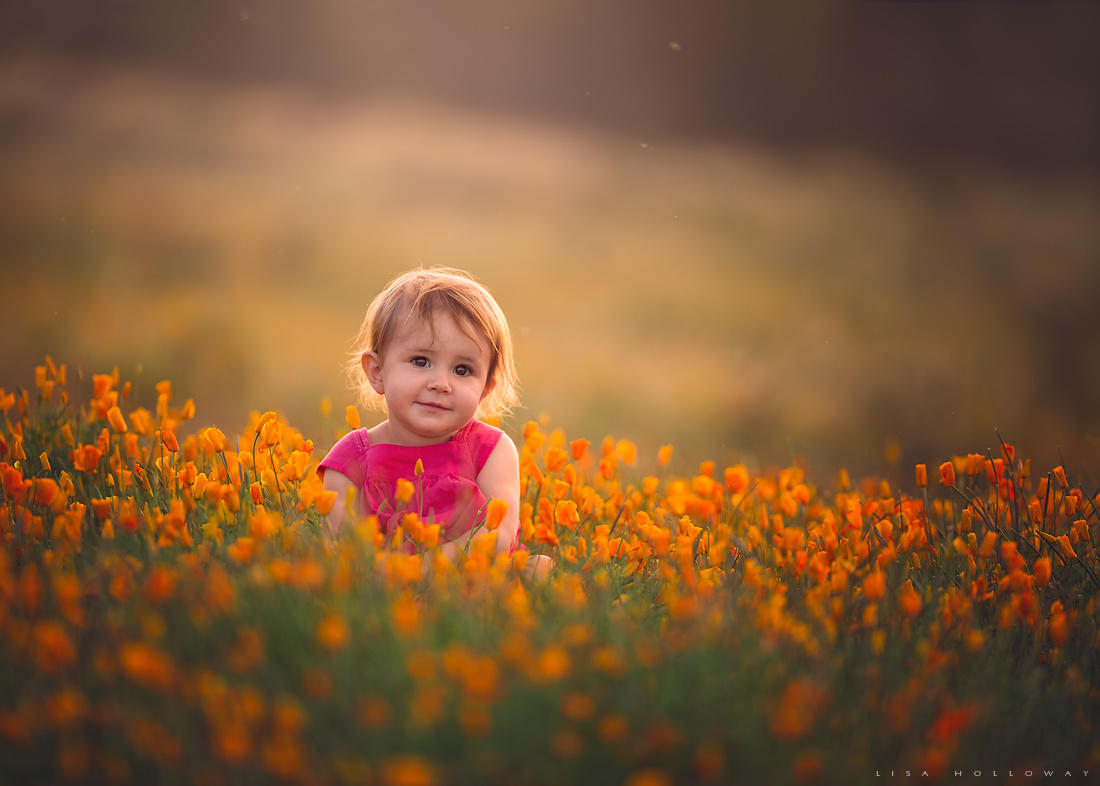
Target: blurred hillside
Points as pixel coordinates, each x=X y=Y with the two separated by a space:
x=1004 y=83
x=871 y=227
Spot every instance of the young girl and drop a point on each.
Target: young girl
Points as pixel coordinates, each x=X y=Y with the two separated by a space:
x=435 y=351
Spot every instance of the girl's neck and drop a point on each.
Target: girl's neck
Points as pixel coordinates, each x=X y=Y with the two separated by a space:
x=382 y=434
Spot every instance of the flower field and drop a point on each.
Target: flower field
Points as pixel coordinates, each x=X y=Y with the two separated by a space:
x=171 y=612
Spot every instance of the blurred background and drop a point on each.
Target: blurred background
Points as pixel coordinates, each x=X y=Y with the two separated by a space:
x=865 y=234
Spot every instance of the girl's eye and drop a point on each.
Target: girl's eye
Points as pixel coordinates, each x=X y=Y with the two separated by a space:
x=464 y=371
x=420 y=361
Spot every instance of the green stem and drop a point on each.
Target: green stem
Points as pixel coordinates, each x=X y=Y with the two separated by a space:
x=479 y=523
x=974 y=502
x=240 y=466
x=274 y=474
x=255 y=463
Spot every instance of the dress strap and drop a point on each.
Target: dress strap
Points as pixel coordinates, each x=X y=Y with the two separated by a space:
x=481 y=439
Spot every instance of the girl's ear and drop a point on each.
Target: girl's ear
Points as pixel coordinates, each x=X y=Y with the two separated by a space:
x=372 y=367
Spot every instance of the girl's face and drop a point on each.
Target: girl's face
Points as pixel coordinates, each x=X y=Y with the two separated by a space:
x=433 y=380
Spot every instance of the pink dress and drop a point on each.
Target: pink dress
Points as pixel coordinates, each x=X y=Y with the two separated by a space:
x=451 y=497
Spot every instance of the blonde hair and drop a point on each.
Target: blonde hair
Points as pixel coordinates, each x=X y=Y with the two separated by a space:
x=419 y=294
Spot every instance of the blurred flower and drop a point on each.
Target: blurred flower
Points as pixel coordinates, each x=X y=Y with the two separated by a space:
x=612 y=728
x=577 y=706
x=799 y=706
x=649 y=777
x=555 y=459
x=626 y=451
x=242 y=550
x=147 y=666
x=406 y=614
x=550 y=665
x=332 y=633
x=407 y=771
x=737 y=479
x=46 y=491
x=405 y=491
x=101 y=383
x=567 y=743
x=317 y=684
x=53 y=649
x=874 y=585
x=909 y=599
x=709 y=762
x=142 y=420
x=664 y=455
x=808 y=767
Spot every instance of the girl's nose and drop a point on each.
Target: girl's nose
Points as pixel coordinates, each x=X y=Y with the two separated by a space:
x=440 y=382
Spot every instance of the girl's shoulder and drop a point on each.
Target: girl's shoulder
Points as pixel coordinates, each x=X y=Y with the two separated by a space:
x=355 y=441
x=480 y=439
x=477 y=431
x=348 y=455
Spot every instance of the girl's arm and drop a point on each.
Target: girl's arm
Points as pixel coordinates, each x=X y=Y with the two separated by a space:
x=499 y=478
x=340 y=483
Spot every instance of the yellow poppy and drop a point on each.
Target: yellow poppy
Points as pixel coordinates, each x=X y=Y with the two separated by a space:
x=215 y=439
x=495 y=513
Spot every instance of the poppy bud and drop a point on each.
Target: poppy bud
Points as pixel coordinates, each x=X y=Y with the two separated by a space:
x=215 y=438
x=171 y=444
x=1041 y=571
x=114 y=417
